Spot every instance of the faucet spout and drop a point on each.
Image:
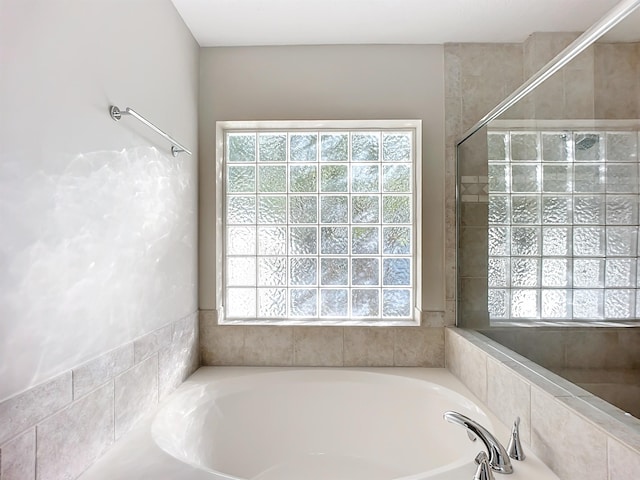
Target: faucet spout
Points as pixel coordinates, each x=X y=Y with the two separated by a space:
x=498 y=456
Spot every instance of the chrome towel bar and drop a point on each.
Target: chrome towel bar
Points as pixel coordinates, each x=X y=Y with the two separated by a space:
x=116 y=114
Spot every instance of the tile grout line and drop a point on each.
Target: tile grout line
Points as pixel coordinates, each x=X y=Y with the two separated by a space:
x=35 y=452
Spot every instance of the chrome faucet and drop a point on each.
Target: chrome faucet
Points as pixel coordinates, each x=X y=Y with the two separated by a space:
x=498 y=457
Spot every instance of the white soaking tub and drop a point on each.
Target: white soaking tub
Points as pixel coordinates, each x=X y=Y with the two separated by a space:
x=246 y=423
x=318 y=424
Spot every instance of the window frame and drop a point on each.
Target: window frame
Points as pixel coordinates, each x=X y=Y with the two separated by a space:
x=222 y=127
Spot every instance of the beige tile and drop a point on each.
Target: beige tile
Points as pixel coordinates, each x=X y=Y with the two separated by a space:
x=547 y=380
x=592 y=348
x=136 y=393
x=473 y=189
x=474 y=312
x=94 y=373
x=473 y=154
x=368 y=346
x=477 y=105
x=638 y=70
x=607 y=417
x=549 y=98
x=149 y=344
x=484 y=58
x=26 y=409
x=419 y=347
x=452 y=348
x=450 y=313
x=453 y=117
x=466 y=362
x=528 y=47
x=564 y=441
x=629 y=339
x=511 y=62
x=541 y=47
x=268 y=346
x=561 y=40
x=529 y=371
x=616 y=81
x=583 y=62
x=545 y=347
x=181 y=358
x=503 y=336
x=624 y=463
x=471 y=56
x=473 y=294
x=579 y=94
x=71 y=440
x=207 y=316
x=318 y=346
x=473 y=252
x=433 y=319
x=222 y=345
x=509 y=396
x=451 y=283
x=18 y=457
x=525 y=108
x=452 y=73
x=474 y=215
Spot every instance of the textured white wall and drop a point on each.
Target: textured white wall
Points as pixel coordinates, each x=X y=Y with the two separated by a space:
x=98 y=223
x=340 y=82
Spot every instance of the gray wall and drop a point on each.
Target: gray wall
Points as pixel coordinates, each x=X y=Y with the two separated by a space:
x=98 y=252
x=98 y=241
x=325 y=83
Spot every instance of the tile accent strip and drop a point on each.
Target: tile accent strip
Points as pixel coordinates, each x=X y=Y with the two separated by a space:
x=474 y=189
x=58 y=428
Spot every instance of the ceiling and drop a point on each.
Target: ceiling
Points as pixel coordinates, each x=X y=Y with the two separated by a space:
x=322 y=22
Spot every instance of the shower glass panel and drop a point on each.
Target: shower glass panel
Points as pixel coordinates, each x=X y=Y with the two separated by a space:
x=563 y=222
x=548 y=220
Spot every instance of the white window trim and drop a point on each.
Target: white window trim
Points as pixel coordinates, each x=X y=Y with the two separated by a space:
x=413 y=125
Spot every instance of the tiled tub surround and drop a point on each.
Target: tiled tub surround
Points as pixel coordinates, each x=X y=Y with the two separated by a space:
x=578 y=435
x=603 y=360
x=322 y=346
x=57 y=429
x=619 y=387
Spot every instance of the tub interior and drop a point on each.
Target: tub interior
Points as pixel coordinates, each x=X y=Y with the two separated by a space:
x=318 y=424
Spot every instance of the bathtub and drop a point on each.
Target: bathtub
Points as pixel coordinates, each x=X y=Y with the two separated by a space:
x=241 y=423
x=317 y=424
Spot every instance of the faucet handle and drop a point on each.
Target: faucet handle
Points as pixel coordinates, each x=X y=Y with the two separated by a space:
x=514 y=449
x=483 y=472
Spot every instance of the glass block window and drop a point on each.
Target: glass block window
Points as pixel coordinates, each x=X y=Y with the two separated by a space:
x=563 y=225
x=320 y=225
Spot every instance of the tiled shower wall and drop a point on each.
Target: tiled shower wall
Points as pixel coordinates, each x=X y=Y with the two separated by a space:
x=477 y=78
x=57 y=429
